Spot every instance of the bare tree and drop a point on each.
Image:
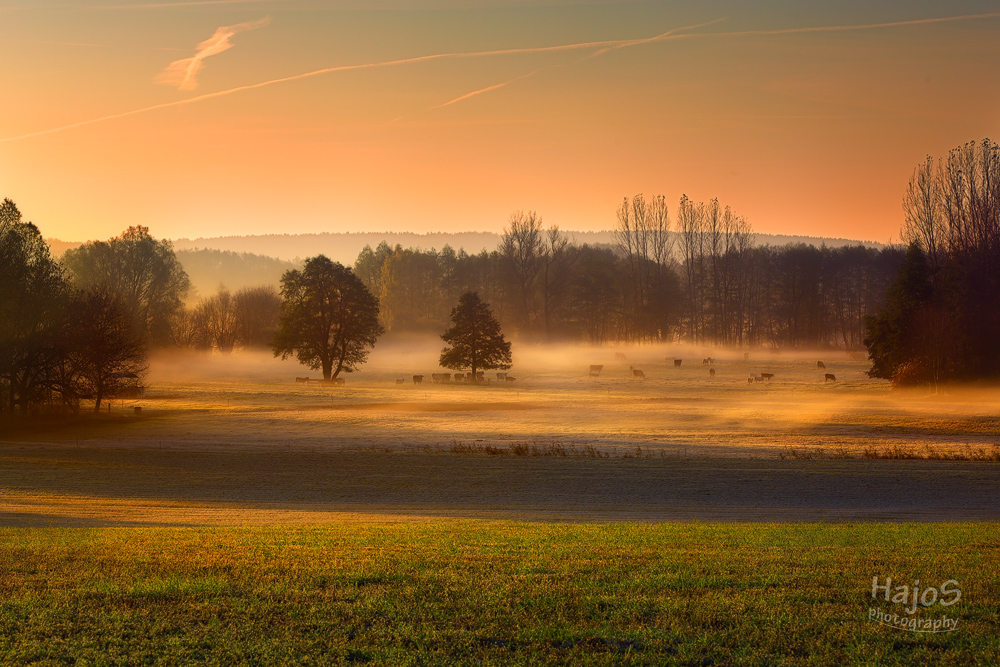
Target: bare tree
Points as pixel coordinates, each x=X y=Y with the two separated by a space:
x=645 y=242
x=923 y=209
x=558 y=256
x=691 y=225
x=521 y=246
x=219 y=314
x=257 y=312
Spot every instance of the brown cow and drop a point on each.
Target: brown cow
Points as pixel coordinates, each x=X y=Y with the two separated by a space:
x=820 y=364
x=677 y=363
x=830 y=377
x=418 y=379
x=637 y=374
x=711 y=372
x=767 y=376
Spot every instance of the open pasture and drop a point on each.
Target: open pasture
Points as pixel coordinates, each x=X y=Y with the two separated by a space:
x=252 y=400
x=224 y=441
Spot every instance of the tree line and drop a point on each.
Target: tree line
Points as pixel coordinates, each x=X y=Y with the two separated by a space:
x=698 y=278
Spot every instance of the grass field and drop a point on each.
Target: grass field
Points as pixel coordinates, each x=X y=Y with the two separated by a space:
x=473 y=593
x=689 y=519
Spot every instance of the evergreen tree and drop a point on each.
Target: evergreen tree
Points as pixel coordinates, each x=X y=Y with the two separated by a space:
x=475 y=338
x=907 y=340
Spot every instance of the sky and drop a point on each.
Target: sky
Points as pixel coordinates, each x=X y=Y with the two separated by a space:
x=205 y=118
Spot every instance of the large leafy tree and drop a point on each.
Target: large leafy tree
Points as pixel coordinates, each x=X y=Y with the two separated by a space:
x=475 y=338
x=329 y=319
x=106 y=354
x=33 y=297
x=142 y=272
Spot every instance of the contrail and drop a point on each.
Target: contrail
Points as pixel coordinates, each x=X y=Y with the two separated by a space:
x=484 y=90
x=184 y=73
x=478 y=54
x=600 y=51
x=189 y=3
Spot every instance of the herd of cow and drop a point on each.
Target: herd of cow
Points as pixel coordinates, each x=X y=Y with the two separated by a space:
x=445 y=378
x=595 y=371
x=306 y=380
x=637 y=374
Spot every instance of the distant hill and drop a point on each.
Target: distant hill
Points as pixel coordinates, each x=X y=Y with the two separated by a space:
x=57 y=247
x=211 y=269
x=344 y=247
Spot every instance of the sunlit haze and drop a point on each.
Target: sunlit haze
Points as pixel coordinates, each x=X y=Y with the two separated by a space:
x=221 y=117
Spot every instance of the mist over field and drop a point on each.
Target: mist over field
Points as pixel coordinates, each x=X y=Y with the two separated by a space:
x=680 y=346
x=716 y=403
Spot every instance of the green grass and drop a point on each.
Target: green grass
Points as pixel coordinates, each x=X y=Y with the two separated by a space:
x=489 y=593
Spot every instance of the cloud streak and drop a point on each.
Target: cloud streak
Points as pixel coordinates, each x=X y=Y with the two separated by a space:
x=184 y=73
x=607 y=44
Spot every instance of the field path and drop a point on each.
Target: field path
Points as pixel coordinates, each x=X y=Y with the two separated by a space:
x=67 y=485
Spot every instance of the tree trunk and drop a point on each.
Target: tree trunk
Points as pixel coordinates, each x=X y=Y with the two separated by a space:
x=327 y=369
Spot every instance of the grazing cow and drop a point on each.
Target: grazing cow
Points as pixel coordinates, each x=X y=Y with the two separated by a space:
x=510 y=379
x=711 y=372
x=501 y=377
x=595 y=370
x=820 y=364
x=677 y=363
x=400 y=380
x=302 y=380
x=438 y=378
x=755 y=378
x=830 y=377
x=418 y=379
x=767 y=376
x=707 y=360
x=620 y=356
x=637 y=374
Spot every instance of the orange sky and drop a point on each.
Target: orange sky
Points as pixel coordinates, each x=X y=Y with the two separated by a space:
x=803 y=131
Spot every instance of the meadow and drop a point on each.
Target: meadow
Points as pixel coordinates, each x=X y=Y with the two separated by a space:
x=472 y=593
x=243 y=518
